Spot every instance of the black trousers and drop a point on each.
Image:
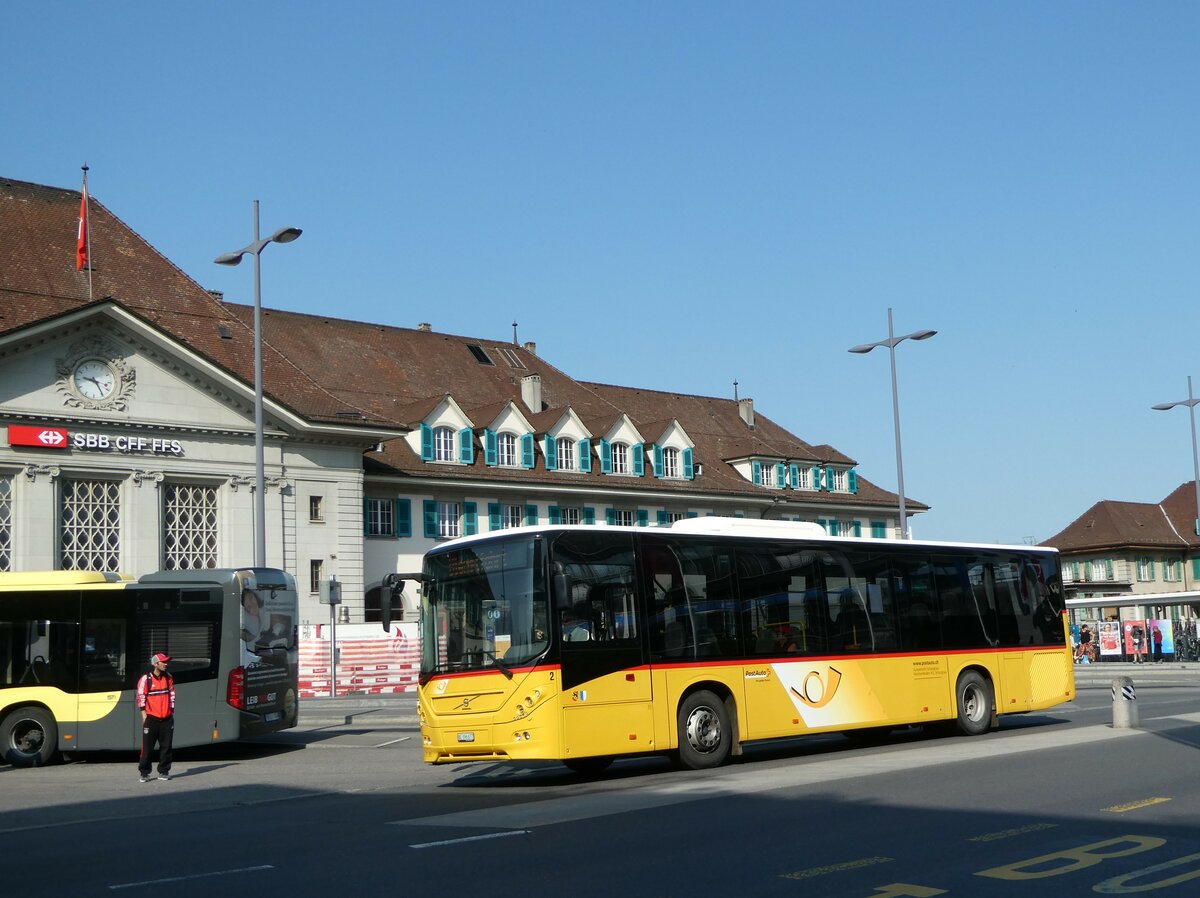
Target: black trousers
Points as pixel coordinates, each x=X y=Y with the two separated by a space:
x=162 y=731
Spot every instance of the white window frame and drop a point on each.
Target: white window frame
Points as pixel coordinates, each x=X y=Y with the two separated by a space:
x=573 y=515
x=564 y=448
x=508 y=453
x=624 y=517
x=1171 y=571
x=839 y=482
x=1145 y=569
x=620 y=458
x=449 y=519
x=670 y=462
x=766 y=473
x=444 y=444
x=381 y=517
x=316 y=509
x=512 y=516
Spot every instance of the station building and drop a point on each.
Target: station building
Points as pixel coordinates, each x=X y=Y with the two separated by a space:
x=127 y=430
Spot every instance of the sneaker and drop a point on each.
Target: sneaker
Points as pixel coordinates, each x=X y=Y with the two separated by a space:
x=144 y=778
x=164 y=776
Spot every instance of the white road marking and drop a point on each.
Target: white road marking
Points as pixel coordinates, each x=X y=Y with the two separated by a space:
x=393 y=742
x=520 y=832
x=155 y=882
x=754 y=778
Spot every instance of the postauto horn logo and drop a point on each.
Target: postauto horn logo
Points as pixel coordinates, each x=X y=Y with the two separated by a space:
x=815 y=691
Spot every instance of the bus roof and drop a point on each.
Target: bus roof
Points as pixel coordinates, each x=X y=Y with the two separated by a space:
x=59 y=579
x=746 y=527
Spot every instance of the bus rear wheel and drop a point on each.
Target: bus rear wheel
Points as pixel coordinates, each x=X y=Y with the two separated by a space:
x=705 y=735
x=974 y=699
x=29 y=737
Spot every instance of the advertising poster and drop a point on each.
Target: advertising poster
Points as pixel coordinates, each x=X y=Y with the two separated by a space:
x=1162 y=639
x=269 y=653
x=1110 y=638
x=1135 y=637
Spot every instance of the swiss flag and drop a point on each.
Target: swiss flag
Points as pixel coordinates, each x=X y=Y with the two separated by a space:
x=81 y=244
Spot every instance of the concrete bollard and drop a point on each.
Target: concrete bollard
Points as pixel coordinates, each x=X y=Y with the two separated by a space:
x=1124 y=697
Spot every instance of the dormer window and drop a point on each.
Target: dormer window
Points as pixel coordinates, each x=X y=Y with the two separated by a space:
x=839 y=481
x=506 y=450
x=670 y=462
x=620 y=458
x=443 y=444
x=766 y=475
x=565 y=454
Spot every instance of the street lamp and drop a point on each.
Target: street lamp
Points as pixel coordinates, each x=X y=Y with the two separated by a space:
x=891 y=343
x=1191 y=405
x=283 y=235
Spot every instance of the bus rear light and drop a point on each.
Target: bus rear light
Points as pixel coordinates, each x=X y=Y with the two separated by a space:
x=235 y=690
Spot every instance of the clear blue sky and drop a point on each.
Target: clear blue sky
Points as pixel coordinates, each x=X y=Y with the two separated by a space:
x=680 y=195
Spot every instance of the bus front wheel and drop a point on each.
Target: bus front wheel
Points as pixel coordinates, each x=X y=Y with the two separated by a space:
x=29 y=737
x=705 y=735
x=974 y=698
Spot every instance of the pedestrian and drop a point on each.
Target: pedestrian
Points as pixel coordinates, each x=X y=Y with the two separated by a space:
x=156 y=699
x=1137 y=634
x=1156 y=635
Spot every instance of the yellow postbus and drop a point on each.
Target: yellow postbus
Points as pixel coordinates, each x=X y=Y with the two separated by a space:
x=583 y=643
x=74 y=643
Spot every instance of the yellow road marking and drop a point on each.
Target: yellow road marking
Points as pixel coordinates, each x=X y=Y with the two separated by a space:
x=1135 y=805
x=1009 y=833
x=837 y=868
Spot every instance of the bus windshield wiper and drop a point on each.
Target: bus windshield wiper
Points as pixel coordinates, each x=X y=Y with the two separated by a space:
x=504 y=668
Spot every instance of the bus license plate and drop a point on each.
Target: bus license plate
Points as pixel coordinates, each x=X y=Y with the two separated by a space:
x=273 y=716
x=466 y=737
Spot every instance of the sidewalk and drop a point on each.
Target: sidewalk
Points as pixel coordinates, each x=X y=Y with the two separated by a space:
x=357 y=709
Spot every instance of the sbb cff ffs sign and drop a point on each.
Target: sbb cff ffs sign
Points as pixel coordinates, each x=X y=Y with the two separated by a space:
x=44 y=437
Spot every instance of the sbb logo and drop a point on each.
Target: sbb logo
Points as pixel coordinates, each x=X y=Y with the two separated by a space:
x=42 y=437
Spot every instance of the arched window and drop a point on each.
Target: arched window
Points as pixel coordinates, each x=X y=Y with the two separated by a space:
x=620 y=458
x=565 y=450
x=670 y=461
x=443 y=444
x=506 y=450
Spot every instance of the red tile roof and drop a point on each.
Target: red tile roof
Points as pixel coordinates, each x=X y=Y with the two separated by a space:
x=1109 y=524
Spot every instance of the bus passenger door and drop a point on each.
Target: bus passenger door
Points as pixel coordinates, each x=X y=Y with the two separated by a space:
x=108 y=673
x=605 y=681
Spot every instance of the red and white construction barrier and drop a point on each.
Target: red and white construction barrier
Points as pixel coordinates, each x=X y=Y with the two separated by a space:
x=369 y=660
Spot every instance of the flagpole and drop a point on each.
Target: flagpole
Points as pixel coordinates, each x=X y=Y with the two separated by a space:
x=87 y=228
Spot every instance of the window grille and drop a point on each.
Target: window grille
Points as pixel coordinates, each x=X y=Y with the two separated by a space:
x=381 y=519
x=620 y=458
x=91 y=525
x=506 y=449
x=443 y=444
x=189 y=527
x=565 y=450
x=6 y=487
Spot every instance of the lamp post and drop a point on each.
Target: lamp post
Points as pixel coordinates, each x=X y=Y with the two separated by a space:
x=891 y=343
x=283 y=235
x=1191 y=405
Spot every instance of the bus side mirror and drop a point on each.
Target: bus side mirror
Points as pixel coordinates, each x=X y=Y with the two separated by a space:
x=562 y=588
x=392 y=588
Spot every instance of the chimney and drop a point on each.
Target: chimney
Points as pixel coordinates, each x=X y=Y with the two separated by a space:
x=218 y=295
x=531 y=392
x=425 y=327
x=531 y=347
x=746 y=410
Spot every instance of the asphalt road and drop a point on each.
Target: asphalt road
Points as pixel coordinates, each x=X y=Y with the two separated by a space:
x=1057 y=803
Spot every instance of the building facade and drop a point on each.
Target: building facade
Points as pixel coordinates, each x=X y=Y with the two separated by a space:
x=127 y=430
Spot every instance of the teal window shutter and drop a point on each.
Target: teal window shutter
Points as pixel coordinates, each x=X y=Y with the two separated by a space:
x=689 y=468
x=794 y=476
x=878 y=529
x=852 y=480
x=693 y=514
x=1196 y=568
x=555 y=514
x=829 y=479
x=431 y=521
x=366 y=516
x=530 y=515
x=638 y=450
x=403 y=517
x=551 y=454
x=490 y=453
x=824 y=524
x=585 y=456
x=426 y=443
x=780 y=475
x=589 y=515
x=527 y=457
x=658 y=459
x=756 y=470
x=816 y=478
x=610 y=516
x=493 y=516
x=470 y=519
x=858 y=528
x=605 y=457
x=662 y=517
x=466 y=446
x=643 y=517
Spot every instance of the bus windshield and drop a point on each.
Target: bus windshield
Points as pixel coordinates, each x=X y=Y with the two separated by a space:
x=484 y=606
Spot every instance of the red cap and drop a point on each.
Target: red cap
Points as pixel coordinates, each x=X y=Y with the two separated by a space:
x=160 y=657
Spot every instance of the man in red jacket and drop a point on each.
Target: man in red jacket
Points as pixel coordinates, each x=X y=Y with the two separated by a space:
x=156 y=699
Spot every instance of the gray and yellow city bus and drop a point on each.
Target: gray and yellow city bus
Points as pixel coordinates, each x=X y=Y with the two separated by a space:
x=74 y=643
